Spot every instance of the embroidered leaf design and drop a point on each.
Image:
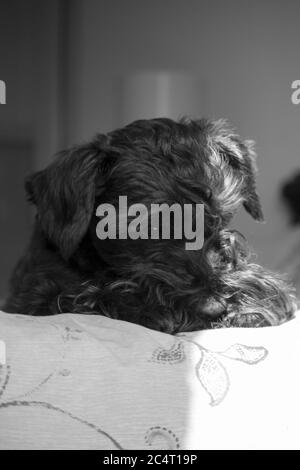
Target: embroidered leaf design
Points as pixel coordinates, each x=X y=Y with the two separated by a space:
x=247 y=354
x=213 y=377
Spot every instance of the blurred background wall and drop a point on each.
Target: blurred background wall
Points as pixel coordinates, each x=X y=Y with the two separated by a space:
x=70 y=67
x=30 y=121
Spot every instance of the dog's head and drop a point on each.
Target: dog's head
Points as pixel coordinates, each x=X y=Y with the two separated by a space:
x=149 y=161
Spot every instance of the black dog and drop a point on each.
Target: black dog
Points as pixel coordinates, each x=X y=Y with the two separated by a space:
x=155 y=283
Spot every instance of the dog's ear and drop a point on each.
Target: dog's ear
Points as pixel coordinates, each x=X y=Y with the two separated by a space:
x=241 y=157
x=64 y=194
x=251 y=202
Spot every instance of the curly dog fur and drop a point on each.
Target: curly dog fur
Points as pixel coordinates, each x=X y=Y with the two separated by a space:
x=155 y=283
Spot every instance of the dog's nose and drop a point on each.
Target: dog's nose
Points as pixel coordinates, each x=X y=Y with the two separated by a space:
x=212 y=308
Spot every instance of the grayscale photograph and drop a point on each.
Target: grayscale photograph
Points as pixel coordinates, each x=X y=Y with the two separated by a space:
x=150 y=229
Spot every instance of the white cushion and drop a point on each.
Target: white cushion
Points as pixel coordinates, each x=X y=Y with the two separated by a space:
x=89 y=382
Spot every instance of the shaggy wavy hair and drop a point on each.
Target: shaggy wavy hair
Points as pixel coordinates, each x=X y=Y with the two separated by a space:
x=155 y=283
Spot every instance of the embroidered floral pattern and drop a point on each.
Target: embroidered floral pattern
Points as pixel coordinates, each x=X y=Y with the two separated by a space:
x=168 y=437
x=212 y=373
x=64 y=412
x=210 y=370
x=174 y=355
x=4 y=377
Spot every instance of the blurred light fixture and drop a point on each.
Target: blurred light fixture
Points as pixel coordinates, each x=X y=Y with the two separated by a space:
x=161 y=93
